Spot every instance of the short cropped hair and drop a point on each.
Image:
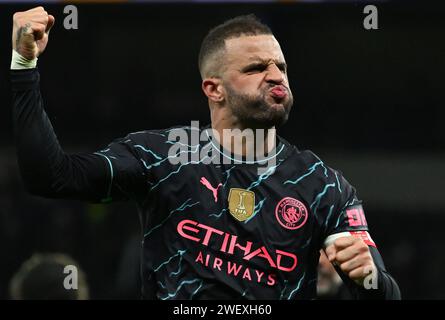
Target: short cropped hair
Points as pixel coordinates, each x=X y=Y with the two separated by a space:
x=213 y=45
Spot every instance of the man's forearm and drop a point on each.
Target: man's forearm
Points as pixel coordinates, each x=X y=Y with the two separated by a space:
x=385 y=288
x=46 y=170
x=37 y=147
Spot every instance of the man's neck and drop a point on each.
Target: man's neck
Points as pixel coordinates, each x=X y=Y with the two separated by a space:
x=243 y=141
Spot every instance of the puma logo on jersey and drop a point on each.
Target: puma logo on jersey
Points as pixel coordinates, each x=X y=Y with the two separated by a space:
x=206 y=183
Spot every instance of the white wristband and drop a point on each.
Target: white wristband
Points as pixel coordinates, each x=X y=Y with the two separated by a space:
x=331 y=239
x=19 y=62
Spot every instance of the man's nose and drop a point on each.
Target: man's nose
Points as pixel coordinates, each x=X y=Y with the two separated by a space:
x=274 y=74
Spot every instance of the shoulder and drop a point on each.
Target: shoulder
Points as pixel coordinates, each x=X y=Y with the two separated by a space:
x=303 y=157
x=155 y=137
x=309 y=163
x=160 y=142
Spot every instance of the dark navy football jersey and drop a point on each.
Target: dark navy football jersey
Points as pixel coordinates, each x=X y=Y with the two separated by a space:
x=226 y=231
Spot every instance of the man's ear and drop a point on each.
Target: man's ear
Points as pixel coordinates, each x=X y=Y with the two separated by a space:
x=213 y=89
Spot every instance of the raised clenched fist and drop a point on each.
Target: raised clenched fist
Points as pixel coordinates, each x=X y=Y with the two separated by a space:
x=352 y=256
x=30 y=32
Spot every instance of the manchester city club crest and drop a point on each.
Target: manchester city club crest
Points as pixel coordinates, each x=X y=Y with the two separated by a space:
x=291 y=213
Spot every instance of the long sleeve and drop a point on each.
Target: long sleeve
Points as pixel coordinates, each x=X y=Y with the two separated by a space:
x=346 y=217
x=45 y=168
x=386 y=287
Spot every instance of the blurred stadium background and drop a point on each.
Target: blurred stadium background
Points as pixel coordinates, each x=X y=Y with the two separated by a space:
x=370 y=103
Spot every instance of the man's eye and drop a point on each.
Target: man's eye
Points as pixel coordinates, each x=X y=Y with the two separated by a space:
x=282 y=68
x=258 y=68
